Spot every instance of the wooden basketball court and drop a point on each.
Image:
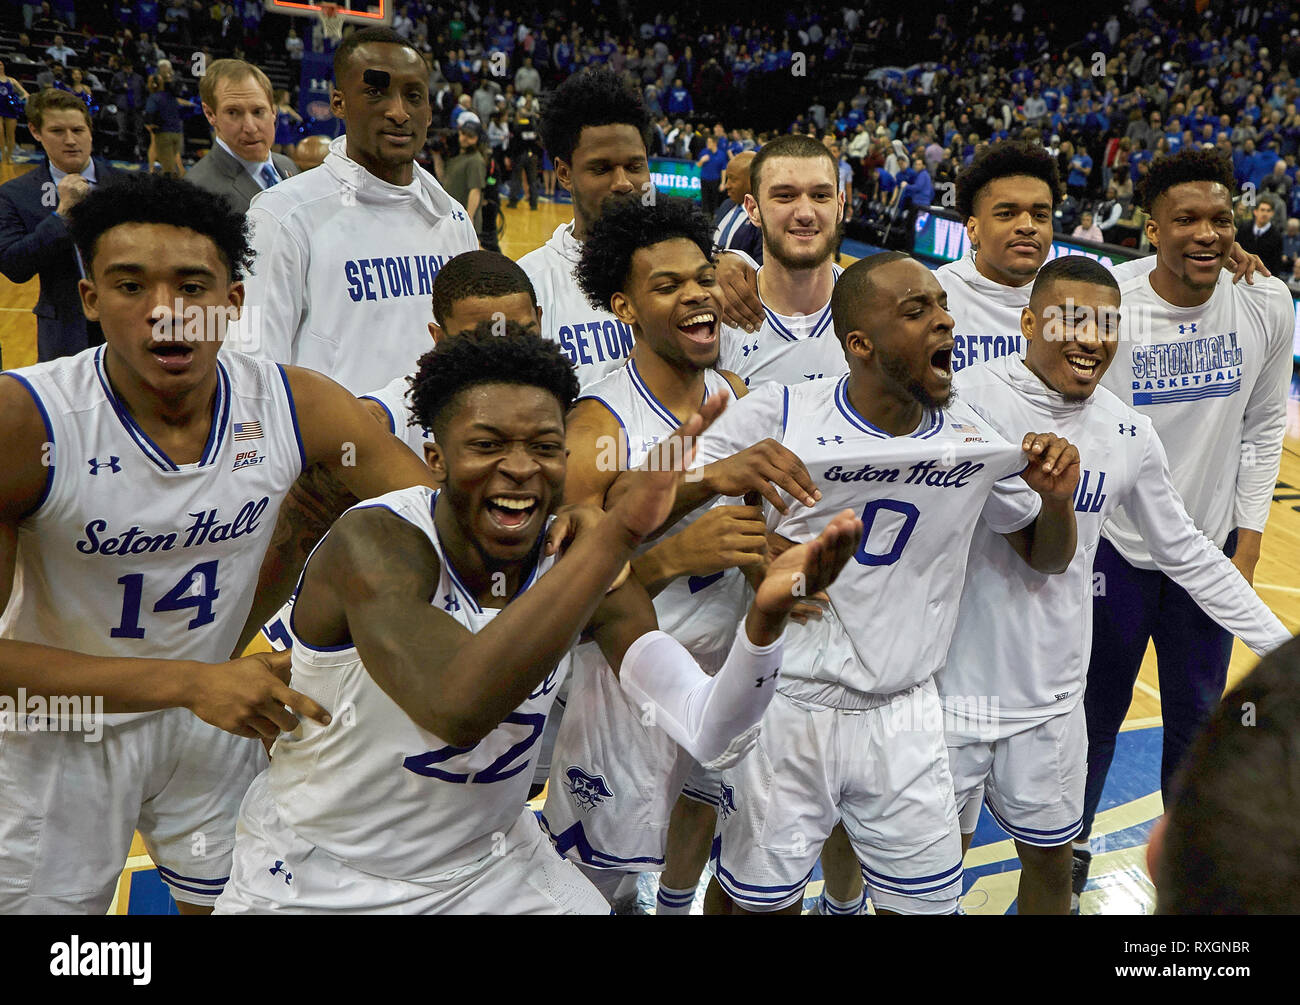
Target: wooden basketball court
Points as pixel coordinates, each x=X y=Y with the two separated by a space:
x=1119 y=882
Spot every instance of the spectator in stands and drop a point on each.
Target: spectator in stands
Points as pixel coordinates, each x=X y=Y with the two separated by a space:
x=34 y=240
x=465 y=175
x=1293 y=278
x=679 y=100
x=293 y=45
x=1264 y=238
x=1087 y=228
x=1290 y=244
x=60 y=52
x=527 y=79
x=1080 y=165
x=711 y=164
x=12 y=98
x=918 y=188
x=238 y=103
x=484 y=100
x=1278 y=182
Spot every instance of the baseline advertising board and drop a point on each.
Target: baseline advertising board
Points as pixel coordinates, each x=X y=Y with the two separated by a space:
x=676 y=177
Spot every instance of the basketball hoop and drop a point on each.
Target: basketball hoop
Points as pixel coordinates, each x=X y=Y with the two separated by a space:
x=331 y=21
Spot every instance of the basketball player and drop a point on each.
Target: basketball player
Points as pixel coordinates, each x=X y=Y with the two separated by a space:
x=797 y=202
x=1208 y=362
x=347 y=254
x=141 y=486
x=1018 y=636
x=650 y=265
x=1007 y=197
x=859 y=688
x=416 y=805
x=595 y=129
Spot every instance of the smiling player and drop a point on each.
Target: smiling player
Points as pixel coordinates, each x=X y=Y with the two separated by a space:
x=1024 y=638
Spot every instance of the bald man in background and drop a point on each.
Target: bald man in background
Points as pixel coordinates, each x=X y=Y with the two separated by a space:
x=732 y=227
x=310 y=152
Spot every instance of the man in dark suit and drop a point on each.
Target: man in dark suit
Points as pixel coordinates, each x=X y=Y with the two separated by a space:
x=1264 y=238
x=240 y=106
x=34 y=236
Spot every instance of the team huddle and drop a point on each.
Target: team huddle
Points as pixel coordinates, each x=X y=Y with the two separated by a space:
x=742 y=567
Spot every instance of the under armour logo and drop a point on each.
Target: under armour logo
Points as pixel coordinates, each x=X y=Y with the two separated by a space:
x=450 y=603
x=813 y=376
x=95 y=464
x=823 y=440
x=457 y=215
x=759 y=681
x=285 y=874
x=1187 y=329
x=1132 y=430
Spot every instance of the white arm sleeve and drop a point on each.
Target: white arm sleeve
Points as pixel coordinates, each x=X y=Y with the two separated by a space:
x=273 y=305
x=1264 y=424
x=715 y=719
x=1191 y=559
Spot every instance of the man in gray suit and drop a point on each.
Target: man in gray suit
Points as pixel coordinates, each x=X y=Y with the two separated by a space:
x=240 y=105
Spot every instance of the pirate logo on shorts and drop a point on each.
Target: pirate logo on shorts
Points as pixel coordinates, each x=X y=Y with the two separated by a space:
x=588 y=791
x=726 y=800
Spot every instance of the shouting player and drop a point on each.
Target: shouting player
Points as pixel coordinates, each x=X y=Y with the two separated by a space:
x=650 y=265
x=141 y=486
x=413 y=801
x=1208 y=362
x=1024 y=638
x=885 y=437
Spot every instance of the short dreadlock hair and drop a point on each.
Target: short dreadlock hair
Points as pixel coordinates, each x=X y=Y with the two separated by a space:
x=593 y=97
x=477 y=274
x=480 y=357
x=1185 y=166
x=159 y=198
x=1002 y=160
x=624 y=228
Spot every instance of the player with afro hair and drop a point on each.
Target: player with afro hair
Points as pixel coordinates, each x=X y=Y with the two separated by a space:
x=1187 y=166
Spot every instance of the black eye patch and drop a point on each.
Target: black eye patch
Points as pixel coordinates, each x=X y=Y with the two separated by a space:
x=377 y=78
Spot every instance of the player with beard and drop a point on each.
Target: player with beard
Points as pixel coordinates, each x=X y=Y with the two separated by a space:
x=1209 y=363
x=1007 y=197
x=797 y=203
x=1018 y=635
x=859 y=688
x=650 y=265
x=595 y=129
x=433 y=616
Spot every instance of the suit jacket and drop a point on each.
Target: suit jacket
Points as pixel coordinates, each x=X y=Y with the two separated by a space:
x=1268 y=247
x=221 y=174
x=34 y=240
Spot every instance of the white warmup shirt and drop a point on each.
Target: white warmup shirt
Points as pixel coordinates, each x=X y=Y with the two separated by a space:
x=595 y=341
x=344 y=270
x=1213 y=380
x=1024 y=638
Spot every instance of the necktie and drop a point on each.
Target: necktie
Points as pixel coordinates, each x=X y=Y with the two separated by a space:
x=268 y=176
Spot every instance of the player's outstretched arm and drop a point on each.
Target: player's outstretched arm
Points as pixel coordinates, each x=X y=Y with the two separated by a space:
x=349 y=456
x=1048 y=544
x=742 y=455
x=372 y=578
x=713 y=718
x=1192 y=560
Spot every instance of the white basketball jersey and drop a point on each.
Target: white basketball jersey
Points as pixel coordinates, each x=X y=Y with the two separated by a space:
x=919 y=496
x=700 y=612
x=595 y=341
x=392 y=396
x=131 y=554
x=379 y=792
x=786 y=349
x=614 y=777
x=1031 y=656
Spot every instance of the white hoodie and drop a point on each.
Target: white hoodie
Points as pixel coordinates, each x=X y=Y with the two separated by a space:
x=595 y=341
x=344 y=269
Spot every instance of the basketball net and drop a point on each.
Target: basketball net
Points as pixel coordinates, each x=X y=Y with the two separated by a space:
x=331 y=21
